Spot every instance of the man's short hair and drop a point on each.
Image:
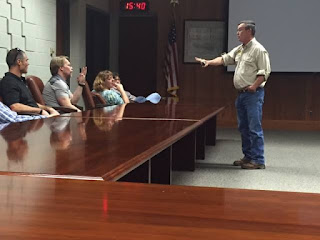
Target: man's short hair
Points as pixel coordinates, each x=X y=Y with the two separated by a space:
x=56 y=63
x=250 y=25
x=13 y=56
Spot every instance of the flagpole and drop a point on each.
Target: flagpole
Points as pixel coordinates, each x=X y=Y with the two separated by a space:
x=173 y=3
x=171 y=64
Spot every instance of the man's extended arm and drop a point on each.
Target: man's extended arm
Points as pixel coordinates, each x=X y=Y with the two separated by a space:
x=213 y=62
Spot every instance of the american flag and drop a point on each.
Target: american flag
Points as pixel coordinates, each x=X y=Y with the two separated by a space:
x=171 y=62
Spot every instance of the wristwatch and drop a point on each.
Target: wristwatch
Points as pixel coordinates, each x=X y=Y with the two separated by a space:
x=40 y=112
x=81 y=84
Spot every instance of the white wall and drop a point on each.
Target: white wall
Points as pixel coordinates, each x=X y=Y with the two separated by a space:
x=31 y=26
x=288 y=29
x=78 y=36
x=78 y=33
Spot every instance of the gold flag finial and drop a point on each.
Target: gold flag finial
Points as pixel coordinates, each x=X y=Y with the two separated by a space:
x=174 y=2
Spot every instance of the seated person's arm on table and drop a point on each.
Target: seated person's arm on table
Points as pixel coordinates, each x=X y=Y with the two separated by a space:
x=66 y=102
x=49 y=110
x=42 y=110
x=9 y=116
x=21 y=108
x=64 y=96
x=130 y=96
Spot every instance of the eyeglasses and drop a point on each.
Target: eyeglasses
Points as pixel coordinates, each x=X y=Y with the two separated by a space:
x=18 y=50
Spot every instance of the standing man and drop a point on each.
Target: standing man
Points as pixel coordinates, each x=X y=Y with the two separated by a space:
x=56 y=91
x=251 y=73
x=14 y=90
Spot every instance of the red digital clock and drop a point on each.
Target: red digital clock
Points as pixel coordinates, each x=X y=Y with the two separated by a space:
x=134 y=6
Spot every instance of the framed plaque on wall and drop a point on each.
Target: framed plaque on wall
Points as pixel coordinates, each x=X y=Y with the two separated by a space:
x=204 y=39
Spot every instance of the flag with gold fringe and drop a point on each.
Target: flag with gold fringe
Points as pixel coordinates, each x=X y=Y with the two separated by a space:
x=171 y=59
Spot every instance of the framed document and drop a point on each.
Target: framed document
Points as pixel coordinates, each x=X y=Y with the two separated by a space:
x=204 y=39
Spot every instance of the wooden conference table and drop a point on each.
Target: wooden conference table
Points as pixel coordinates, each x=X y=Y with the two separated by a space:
x=97 y=147
x=205 y=114
x=39 y=208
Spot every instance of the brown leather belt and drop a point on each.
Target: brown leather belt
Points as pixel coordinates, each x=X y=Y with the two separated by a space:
x=243 y=90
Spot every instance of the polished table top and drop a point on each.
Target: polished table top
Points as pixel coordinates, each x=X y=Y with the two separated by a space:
x=160 y=111
x=39 y=208
x=78 y=146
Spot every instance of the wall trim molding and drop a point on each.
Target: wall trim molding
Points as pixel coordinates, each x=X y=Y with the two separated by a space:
x=279 y=124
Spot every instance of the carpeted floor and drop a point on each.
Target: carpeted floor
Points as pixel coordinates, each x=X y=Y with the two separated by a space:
x=292 y=163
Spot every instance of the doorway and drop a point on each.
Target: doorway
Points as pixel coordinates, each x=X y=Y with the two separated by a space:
x=138 y=54
x=97 y=42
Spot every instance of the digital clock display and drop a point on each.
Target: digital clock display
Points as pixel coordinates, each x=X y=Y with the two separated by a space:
x=139 y=6
x=134 y=6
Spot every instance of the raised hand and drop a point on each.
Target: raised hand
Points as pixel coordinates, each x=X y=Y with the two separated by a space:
x=82 y=76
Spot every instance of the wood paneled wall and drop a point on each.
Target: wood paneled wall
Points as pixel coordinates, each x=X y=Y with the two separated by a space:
x=291 y=100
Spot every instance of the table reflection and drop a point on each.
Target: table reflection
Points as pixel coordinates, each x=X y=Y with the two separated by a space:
x=61 y=135
x=114 y=114
x=14 y=134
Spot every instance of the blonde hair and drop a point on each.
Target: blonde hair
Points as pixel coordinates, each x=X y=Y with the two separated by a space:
x=98 y=84
x=56 y=63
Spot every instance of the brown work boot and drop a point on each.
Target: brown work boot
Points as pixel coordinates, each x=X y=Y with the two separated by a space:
x=253 y=166
x=241 y=161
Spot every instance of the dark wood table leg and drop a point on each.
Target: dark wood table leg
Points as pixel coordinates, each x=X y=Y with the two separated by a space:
x=184 y=153
x=211 y=131
x=141 y=174
x=201 y=142
x=161 y=167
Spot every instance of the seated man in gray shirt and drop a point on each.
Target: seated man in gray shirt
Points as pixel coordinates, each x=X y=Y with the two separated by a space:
x=56 y=92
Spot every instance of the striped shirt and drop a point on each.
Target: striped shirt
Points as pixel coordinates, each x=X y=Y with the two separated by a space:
x=9 y=116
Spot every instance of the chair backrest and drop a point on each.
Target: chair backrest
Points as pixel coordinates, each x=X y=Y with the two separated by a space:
x=36 y=86
x=98 y=99
x=91 y=100
x=87 y=97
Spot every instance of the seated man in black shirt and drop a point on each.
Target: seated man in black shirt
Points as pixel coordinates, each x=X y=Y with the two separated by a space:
x=13 y=88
